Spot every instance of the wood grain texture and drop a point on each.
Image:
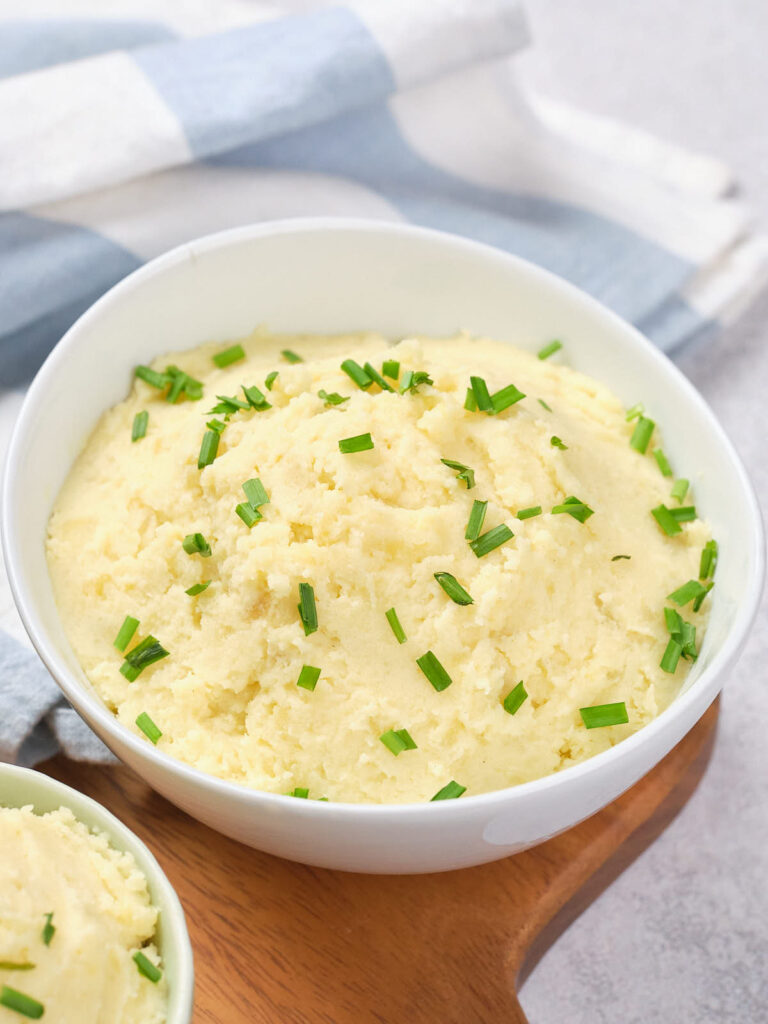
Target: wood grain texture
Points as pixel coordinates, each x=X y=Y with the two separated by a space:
x=282 y=943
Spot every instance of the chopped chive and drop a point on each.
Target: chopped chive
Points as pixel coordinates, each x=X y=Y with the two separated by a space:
x=544 y=405
x=196 y=544
x=147 y=968
x=394 y=623
x=308 y=677
x=506 y=397
x=376 y=377
x=270 y=379
x=491 y=539
x=152 y=377
x=573 y=506
x=256 y=398
x=601 y=715
x=641 y=435
x=688 y=592
x=307 y=608
x=617 y=558
x=291 y=357
x=515 y=698
x=686 y=514
x=476 y=519
x=301 y=792
x=142 y=656
x=228 y=406
x=358 y=443
x=462 y=472
x=391 y=369
x=671 y=655
x=182 y=384
x=139 y=429
x=357 y=373
x=450 y=792
x=529 y=513
x=481 y=394
x=635 y=412
x=662 y=462
x=248 y=514
x=698 y=601
x=256 y=493
x=680 y=489
x=49 y=929
x=398 y=740
x=334 y=398
x=197 y=588
x=216 y=425
x=412 y=381
x=9 y=965
x=469 y=402
x=557 y=443
x=673 y=622
x=25 y=1005
x=550 y=349
x=125 y=635
x=708 y=560
x=666 y=520
x=688 y=640
x=208 y=449
x=148 y=727
x=434 y=671
x=229 y=355
x=453 y=588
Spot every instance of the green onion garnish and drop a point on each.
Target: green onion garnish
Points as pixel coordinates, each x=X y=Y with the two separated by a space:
x=434 y=671
x=197 y=588
x=557 y=443
x=449 y=792
x=481 y=394
x=256 y=398
x=139 y=429
x=208 y=449
x=686 y=514
x=600 y=715
x=148 y=727
x=453 y=588
x=662 y=461
x=125 y=635
x=708 y=560
x=256 y=493
x=397 y=629
x=398 y=740
x=575 y=507
x=476 y=519
x=229 y=355
x=291 y=357
x=689 y=591
x=412 y=381
x=358 y=443
x=491 y=539
x=666 y=520
x=641 y=435
x=391 y=369
x=505 y=397
x=671 y=655
x=25 y=1005
x=544 y=405
x=270 y=379
x=196 y=544
x=248 y=513
x=145 y=966
x=308 y=677
x=49 y=929
x=515 y=698
x=462 y=472
x=673 y=621
x=142 y=656
x=376 y=377
x=357 y=373
x=152 y=377
x=228 y=406
x=301 y=792
x=529 y=513
x=680 y=489
x=307 y=608
x=635 y=412
x=216 y=425
x=617 y=558
x=182 y=384
x=9 y=965
x=688 y=640
x=700 y=597
x=550 y=349
x=682 y=633
x=334 y=398
x=469 y=402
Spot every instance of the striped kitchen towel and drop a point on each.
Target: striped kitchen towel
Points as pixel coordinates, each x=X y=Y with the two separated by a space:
x=130 y=126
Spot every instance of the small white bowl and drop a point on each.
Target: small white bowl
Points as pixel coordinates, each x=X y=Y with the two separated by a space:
x=333 y=275
x=22 y=786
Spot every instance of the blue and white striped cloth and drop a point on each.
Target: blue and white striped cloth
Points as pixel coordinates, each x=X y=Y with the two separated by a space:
x=130 y=126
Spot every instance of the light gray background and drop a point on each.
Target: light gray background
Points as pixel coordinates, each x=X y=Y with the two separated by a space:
x=682 y=936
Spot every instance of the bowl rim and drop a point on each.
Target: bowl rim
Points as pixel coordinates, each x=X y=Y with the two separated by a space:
x=188 y=252
x=181 y=994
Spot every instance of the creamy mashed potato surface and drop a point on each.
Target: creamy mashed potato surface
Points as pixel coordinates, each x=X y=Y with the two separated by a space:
x=368 y=530
x=73 y=913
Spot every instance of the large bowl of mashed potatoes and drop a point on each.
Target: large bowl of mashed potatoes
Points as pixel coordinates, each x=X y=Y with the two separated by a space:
x=373 y=547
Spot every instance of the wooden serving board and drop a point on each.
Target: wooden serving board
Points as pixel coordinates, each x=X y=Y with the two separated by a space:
x=281 y=943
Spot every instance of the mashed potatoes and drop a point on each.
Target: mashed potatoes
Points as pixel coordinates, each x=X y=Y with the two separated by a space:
x=73 y=914
x=552 y=607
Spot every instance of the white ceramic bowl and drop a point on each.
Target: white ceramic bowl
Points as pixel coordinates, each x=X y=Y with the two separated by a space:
x=21 y=786
x=333 y=276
